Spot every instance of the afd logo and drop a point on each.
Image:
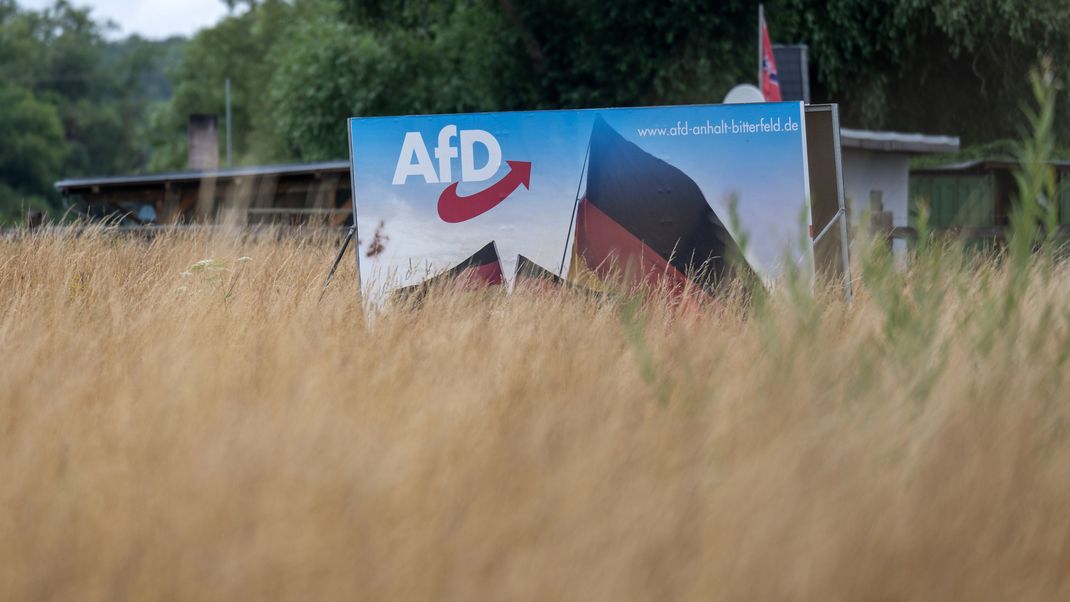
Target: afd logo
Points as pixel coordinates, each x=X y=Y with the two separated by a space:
x=414 y=160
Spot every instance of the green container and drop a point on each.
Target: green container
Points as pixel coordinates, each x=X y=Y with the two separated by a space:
x=954 y=200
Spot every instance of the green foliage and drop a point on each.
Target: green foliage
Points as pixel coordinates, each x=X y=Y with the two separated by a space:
x=73 y=104
x=239 y=47
x=916 y=298
x=1035 y=217
x=31 y=154
x=15 y=204
x=332 y=59
x=929 y=65
x=299 y=68
x=585 y=54
x=331 y=69
x=144 y=65
x=33 y=140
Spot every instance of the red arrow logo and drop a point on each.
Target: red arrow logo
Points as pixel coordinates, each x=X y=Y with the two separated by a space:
x=454 y=209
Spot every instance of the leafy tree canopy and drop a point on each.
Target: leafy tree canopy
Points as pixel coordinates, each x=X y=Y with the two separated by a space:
x=943 y=66
x=73 y=103
x=939 y=66
x=299 y=68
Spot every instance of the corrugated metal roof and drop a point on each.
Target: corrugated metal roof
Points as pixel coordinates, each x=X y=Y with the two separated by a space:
x=864 y=139
x=192 y=176
x=961 y=166
x=898 y=142
x=984 y=165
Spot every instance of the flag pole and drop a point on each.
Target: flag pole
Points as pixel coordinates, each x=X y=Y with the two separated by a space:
x=575 y=207
x=761 y=19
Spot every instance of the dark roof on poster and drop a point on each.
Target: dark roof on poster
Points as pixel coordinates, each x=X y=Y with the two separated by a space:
x=288 y=169
x=898 y=142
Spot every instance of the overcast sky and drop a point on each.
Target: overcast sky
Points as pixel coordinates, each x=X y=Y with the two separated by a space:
x=154 y=19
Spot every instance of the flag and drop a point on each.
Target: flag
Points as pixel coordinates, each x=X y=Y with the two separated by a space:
x=527 y=271
x=481 y=270
x=645 y=221
x=767 y=74
x=532 y=278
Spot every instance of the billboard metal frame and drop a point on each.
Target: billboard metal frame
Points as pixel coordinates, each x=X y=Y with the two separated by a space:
x=833 y=152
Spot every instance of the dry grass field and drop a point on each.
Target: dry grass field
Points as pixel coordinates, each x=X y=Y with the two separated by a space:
x=179 y=429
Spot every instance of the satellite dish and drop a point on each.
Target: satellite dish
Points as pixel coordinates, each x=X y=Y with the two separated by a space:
x=743 y=94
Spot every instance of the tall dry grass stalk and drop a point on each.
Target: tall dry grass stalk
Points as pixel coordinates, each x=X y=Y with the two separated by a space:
x=172 y=428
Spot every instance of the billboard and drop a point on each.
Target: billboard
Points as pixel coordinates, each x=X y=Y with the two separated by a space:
x=580 y=194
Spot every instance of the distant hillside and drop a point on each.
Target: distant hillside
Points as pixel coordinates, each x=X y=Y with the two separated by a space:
x=153 y=61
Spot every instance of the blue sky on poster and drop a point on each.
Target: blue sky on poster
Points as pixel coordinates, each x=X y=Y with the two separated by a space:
x=154 y=19
x=766 y=171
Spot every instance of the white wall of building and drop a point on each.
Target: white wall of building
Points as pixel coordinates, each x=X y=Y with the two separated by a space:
x=866 y=171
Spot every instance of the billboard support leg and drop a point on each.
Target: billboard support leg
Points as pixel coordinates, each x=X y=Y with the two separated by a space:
x=338 y=259
x=841 y=218
x=842 y=212
x=844 y=254
x=828 y=226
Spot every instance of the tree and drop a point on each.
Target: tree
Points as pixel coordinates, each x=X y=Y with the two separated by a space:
x=930 y=65
x=31 y=153
x=631 y=52
x=376 y=63
x=239 y=47
x=57 y=68
x=299 y=68
x=360 y=58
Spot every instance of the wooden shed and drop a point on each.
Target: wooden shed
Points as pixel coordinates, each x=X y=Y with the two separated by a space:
x=310 y=193
x=976 y=194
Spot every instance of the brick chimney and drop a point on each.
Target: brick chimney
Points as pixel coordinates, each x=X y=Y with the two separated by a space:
x=203 y=132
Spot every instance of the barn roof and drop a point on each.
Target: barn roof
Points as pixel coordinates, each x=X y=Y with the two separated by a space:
x=288 y=169
x=898 y=141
